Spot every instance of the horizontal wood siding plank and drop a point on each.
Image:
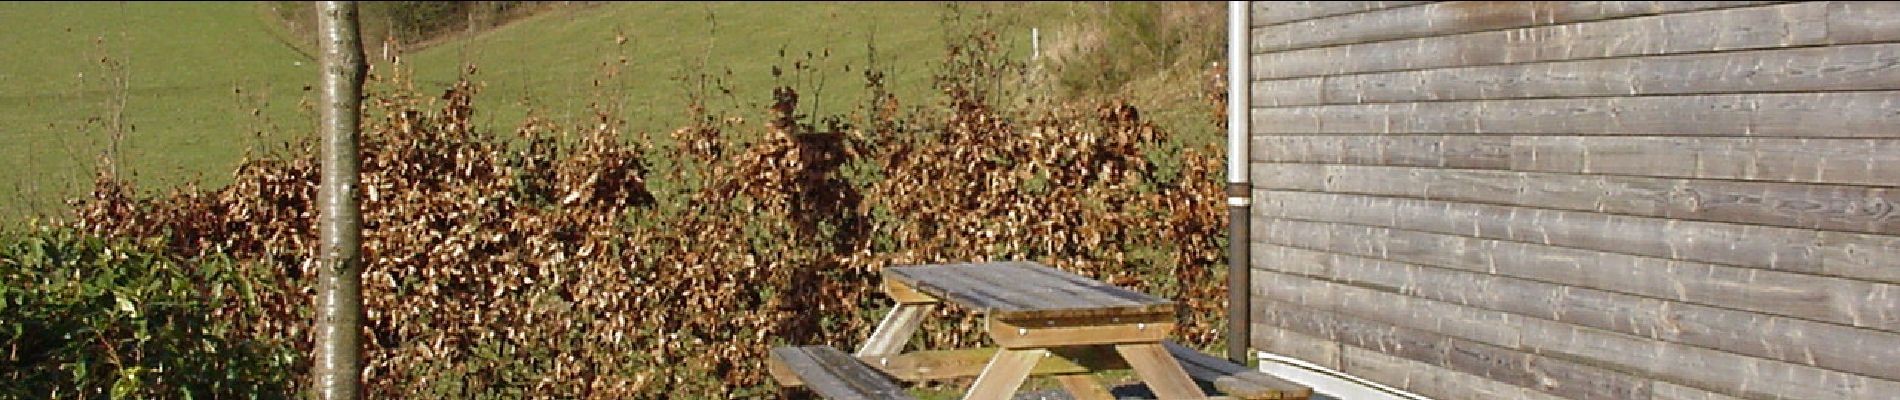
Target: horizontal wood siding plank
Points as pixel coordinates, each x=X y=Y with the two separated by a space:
x=1456 y=17
x=1456 y=151
x=1863 y=21
x=1809 y=206
x=1824 y=345
x=1785 y=25
x=1509 y=365
x=1831 y=68
x=1288 y=343
x=1488 y=326
x=1428 y=379
x=1629 y=200
x=1843 y=161
x=1600 y=364
x=1864 y=256
x=1662 y=390
x=1412 y=344
x=1849 y=161
x=1706 y=369
x=1827 y=114
x=1755 y=247
x=1276 y=12
x=1819 y=298
x=1857 y=256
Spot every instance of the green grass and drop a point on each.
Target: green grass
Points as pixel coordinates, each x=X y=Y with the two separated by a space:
x=182 y=62
x=185 y=62
x=551 y=60
x=548 y=64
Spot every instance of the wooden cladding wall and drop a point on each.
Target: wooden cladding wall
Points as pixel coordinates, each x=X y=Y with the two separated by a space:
x=1581 y=200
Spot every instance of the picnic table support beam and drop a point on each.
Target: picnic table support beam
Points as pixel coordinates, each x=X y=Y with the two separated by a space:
x=1160 y=371
x=895 y=330
x=1005 y=373
x=1084 y=387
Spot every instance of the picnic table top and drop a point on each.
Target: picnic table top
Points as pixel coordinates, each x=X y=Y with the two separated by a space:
x=1025 y=290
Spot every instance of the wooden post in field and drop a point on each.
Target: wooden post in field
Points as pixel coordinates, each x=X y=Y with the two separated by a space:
x=338 y=370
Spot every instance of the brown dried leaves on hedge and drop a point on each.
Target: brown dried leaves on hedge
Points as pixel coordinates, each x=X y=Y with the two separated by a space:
x=544 y=267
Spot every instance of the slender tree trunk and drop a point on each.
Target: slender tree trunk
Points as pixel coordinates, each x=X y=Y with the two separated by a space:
x=338 y=373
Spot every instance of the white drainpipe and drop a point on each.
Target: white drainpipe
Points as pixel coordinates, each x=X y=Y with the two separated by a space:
x=1239 y=191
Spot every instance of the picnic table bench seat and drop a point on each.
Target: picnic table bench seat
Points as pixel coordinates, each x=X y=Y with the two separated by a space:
x=1235 y=380
x=832 y=373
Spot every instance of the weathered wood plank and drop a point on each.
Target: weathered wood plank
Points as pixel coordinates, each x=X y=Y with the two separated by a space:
x=1504 y=364
x=968 y=363
x=1284 y=342
x=1799 y=341
x=1158 y=369
x=1826 y=114
x=834 y=374
x=1863 y=21
x=1234 y=379
x=1808 y=206
x=1798 y=24
x=1016 y=334
x=1456 y=17
x=1561 y=349
x=1721 y=372
x=1863 y=256
x=1408 y=343
x=1831 y=68
x=1025 y=290
x=1803 y=160
x=955 y=288
x=895 y=330
x=1375 y=304
x=1537 y=372
x=1038 y=291
x=1849 y=255
x=1429 y=379
x=1277 y=12
x=1663 y=390
x=1096 y=293
x=1004 y=374
x=1820 y=298
x=1454 y=151
x=904 y=294
x=1084 y=387
x=1851 y=161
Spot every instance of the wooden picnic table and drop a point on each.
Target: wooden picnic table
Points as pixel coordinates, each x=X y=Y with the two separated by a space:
x=1046 y=322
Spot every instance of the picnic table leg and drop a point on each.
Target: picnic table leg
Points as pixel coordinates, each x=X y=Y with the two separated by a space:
x=1005 y=373
x=1158 y=369
x=895 y=330
x=1084 y=387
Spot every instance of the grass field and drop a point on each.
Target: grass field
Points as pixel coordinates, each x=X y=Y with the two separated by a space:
x=202 y=82
x=180 y=64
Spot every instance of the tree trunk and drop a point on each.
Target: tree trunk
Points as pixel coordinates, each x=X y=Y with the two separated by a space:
x=337 y=373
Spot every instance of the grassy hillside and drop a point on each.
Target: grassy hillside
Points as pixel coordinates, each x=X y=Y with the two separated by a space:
x=550 y=63
x=177 y=68
x=195 y=72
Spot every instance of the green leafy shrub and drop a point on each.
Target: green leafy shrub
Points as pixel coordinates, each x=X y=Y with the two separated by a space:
x=86 y=317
